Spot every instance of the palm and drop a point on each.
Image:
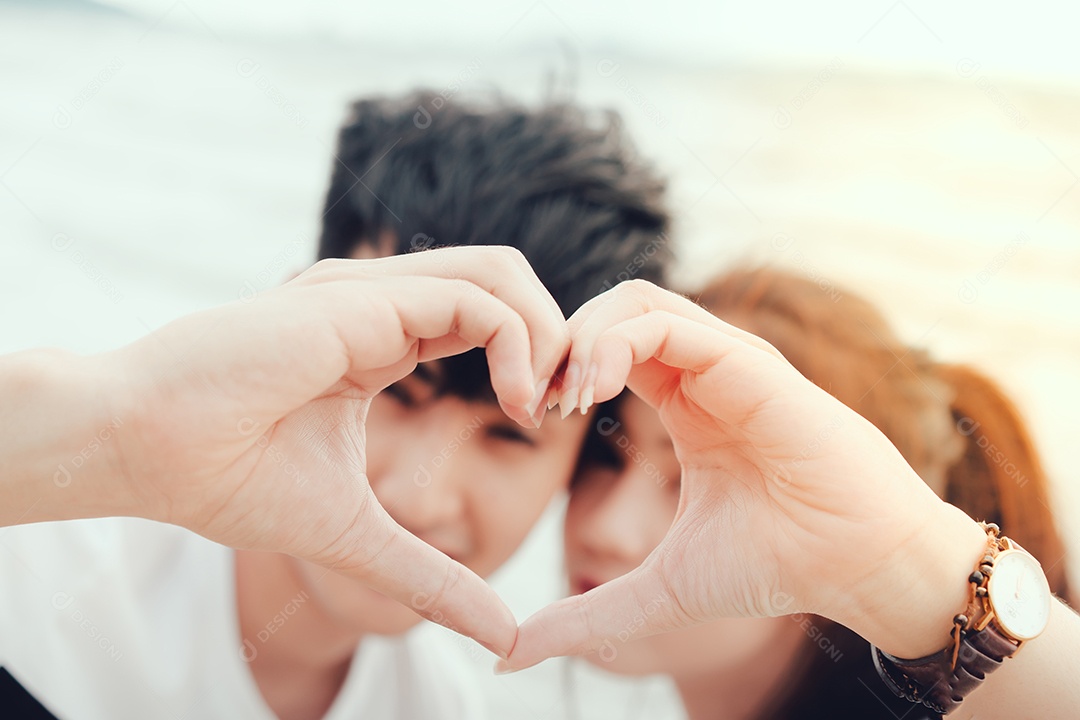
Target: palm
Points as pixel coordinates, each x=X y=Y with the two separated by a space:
x=250 y=425
x=766 y=487
x=788 y=498
x=307 y=471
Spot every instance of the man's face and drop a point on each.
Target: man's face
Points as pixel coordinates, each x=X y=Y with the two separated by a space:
x=459 y=475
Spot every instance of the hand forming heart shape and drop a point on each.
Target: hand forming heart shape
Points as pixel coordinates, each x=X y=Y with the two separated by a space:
x=227 y=411
x=790 y=501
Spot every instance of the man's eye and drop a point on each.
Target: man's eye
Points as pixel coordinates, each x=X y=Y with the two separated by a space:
x=600 y=452
x=605 y=455
x=400 y=394
x=509 y=433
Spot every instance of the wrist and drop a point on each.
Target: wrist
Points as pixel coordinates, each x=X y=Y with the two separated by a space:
x=908 y=610
x=58 y=452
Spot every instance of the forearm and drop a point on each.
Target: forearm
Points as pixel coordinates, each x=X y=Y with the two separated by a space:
x=58 y=427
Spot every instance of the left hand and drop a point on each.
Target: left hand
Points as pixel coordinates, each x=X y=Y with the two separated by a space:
x=247 y=423
x=790 y=501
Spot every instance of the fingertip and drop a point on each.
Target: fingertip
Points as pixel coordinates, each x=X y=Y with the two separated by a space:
x=495 y=650
x=518 y=394
x=568 y=398
x=537 y=402
x=510 y=369
x=484 y=617
x=503 y=642
x=517 y=414
x=503 y=667
x=588 y=387
x=539 y=638
x=443 y=591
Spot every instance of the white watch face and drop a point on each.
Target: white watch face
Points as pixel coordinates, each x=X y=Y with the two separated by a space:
x=1019 y=594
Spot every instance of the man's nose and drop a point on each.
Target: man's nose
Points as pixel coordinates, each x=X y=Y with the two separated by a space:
x=420 y=489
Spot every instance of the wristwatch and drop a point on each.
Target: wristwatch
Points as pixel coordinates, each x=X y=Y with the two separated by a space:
x=1010 y=604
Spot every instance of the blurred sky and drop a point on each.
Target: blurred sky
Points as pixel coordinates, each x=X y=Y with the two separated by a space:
x=1033 y=39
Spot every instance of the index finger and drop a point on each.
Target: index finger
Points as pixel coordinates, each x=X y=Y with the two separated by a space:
x=504 y=273
x=621 y=303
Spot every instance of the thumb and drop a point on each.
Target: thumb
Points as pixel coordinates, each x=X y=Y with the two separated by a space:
x=425 y=580
x=371 y=547
x=603 y=620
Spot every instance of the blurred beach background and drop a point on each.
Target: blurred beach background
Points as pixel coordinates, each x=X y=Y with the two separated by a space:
x=157 y=158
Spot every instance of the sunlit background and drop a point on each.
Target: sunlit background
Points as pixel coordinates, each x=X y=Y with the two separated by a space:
x=156 y=157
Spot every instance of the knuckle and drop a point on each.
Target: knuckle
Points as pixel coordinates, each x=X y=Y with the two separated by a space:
x=640 y=291
x=644 y=287
x=328 y=264
x=508 y=259
x=511 y=253
x=330 y=269
x=462 y=285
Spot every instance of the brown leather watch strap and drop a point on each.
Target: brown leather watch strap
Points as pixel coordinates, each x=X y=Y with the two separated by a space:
x=930 y=681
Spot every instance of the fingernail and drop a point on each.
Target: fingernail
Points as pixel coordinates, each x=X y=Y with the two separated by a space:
x=571 y=387
x=539 y=393
x=539 y=416
x=588 y=388
x=553 y=398
x=502 y=667
x=494 y=650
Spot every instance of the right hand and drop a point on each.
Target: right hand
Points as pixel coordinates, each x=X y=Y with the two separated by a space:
x=790 y=501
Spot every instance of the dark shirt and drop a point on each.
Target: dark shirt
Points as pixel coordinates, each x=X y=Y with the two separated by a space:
x=17 y=704
x=837 y=681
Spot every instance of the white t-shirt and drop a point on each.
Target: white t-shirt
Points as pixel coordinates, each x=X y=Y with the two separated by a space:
x=125 y=618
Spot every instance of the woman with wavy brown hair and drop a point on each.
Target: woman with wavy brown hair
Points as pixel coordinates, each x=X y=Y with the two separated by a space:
x=951 y=424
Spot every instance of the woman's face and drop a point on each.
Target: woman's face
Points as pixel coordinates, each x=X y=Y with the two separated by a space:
x=622 y=503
